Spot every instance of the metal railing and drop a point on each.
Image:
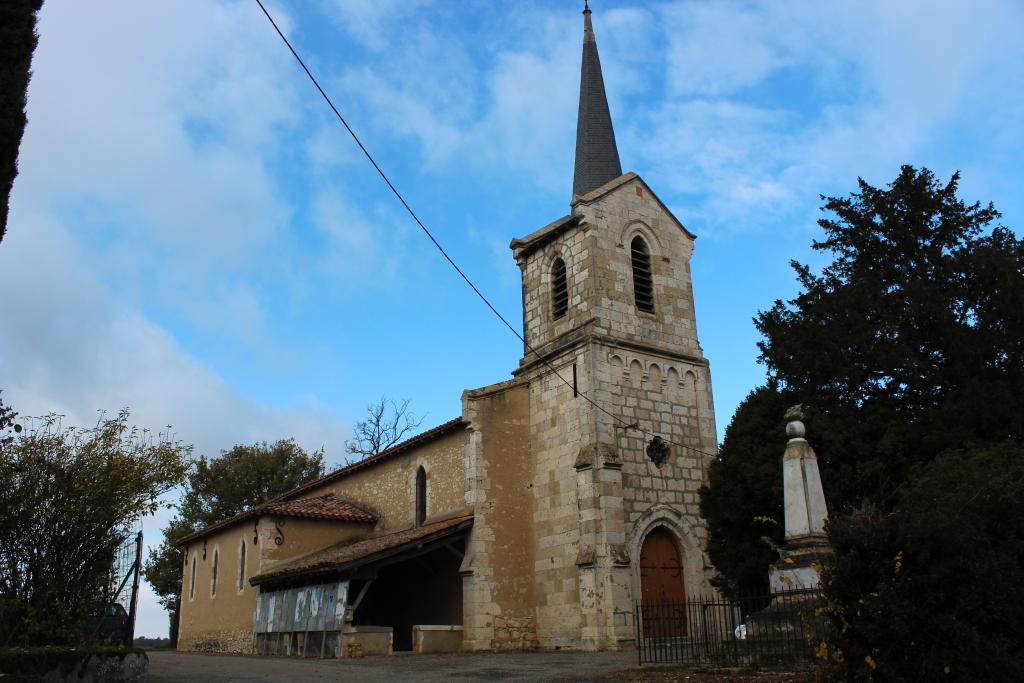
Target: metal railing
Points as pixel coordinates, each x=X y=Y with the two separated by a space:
x=782 y=629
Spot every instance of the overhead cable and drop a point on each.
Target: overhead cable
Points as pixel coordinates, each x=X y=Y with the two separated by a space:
x=622 y=423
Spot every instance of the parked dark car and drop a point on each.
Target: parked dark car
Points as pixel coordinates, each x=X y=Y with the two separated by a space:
x=110 y=626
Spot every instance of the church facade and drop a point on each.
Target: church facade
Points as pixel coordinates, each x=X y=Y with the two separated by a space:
x=548 y=509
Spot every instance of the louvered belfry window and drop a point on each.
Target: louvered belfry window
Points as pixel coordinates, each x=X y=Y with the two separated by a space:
x=643 y=285
x=559 y=289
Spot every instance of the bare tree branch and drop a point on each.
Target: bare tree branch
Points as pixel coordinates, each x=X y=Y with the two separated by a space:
x=387 y=423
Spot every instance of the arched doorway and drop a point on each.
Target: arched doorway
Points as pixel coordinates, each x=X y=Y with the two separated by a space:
x=662 y=587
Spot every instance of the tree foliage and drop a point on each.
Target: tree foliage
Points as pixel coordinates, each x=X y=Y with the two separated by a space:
x=7 y=425
x=18 y=41
x=742 y=501
x=908 y=343
x=387 y=423
x=931 y=590
x=69 y=499
x=911 y=341
x=241 y=478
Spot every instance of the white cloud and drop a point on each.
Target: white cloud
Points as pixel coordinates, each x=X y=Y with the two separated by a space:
x=868 y=86
x=151 y=140
x=366 y=20
x=74 y=348
x=719 y=48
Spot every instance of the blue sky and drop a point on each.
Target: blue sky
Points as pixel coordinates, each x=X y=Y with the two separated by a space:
x=193 y=236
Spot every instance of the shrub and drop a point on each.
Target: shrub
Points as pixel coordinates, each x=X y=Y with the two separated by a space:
x=932 y=590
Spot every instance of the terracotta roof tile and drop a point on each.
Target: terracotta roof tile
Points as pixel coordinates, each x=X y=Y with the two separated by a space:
x=322 y=507
x=349 y=554
x=327 y=506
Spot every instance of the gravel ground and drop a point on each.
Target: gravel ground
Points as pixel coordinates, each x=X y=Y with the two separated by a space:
x=175 y=667
x=606 y=667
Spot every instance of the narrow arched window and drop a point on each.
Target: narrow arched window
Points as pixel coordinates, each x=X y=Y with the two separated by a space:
x=213 y=573
x=241 y=566
x=643 y=285
x=559 y=289
x=421 y=496
x=192 y=580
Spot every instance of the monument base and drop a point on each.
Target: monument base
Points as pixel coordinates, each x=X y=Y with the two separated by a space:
x=793 y=579
x=804 y=556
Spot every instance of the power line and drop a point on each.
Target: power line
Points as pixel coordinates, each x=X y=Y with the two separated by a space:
x=623 y=424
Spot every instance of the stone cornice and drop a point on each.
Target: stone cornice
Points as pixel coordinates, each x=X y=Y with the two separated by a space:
x=582 y=336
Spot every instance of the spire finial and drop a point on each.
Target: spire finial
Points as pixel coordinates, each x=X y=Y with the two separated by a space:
x=597 y=158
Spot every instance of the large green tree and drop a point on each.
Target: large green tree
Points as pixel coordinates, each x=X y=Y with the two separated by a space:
x=908 y=343
x=68 y=500
x=241 y=478
x=742 y=501
x=18 y=41
x=911 y=341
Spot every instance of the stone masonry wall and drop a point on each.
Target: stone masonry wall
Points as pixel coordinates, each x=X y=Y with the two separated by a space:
x=223 y=621
x=498 y=589
x=619 y=216
x=596 y=492
x=674 y=410
x=649 y=369
x=558 y=428
x=389 y=487
x=539 y=324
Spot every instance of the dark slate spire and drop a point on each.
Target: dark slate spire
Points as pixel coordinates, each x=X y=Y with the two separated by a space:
x=597 y=158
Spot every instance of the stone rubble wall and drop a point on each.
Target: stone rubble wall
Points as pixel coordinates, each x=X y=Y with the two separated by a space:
x=229 y=641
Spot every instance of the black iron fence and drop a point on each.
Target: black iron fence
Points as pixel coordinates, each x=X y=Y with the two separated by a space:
x=783 y=628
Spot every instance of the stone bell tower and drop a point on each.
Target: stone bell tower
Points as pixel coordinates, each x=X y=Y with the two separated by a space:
x=621 y=420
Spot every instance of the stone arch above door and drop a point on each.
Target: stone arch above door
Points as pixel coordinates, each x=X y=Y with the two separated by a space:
x=662 y=570
x=681 y=528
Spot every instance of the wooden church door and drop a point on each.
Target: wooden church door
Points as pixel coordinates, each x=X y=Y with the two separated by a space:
x=661 y=585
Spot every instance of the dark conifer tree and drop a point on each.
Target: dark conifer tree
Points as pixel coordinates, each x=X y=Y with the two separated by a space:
x=18 y=41
x=909 y=343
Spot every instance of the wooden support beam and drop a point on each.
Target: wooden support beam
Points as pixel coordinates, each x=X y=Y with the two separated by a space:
x=359 y=598
x=455 y=551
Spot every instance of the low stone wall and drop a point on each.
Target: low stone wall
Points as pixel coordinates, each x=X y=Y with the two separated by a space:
x=73 y=666
x=515 y=633
x=131 y=667
x=429 y=639
x=362 y=641
x=237 y=641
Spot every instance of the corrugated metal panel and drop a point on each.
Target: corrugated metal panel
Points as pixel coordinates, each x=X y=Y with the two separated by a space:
x=309 y=608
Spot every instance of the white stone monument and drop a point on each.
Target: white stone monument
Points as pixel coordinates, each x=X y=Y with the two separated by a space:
x=806 y=542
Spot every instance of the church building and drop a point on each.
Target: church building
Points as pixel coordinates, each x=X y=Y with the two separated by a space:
x=548 y=509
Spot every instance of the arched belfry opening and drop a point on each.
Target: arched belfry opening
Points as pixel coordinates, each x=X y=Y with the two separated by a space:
x=643 y=283
x=559 y=289
x=421 y=496
x=662 y=583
